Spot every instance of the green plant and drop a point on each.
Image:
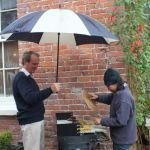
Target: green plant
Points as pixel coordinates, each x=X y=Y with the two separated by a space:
x=5 y=140
x=129 y=22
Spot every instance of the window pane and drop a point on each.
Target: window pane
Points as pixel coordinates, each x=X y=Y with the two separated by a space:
x=0 y=55
x=7 y=18
x=1 y=84
x=11 y=54
x=7 y=4
x=9 y=75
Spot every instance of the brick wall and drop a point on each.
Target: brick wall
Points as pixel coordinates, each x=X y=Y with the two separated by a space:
x=80 y=67
x=10 y=124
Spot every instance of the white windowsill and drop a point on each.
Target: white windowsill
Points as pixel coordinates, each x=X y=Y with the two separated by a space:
x=7 y=106
x=148 y=122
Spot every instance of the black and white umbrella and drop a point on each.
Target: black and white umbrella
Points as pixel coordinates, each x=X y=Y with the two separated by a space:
x=60 y=26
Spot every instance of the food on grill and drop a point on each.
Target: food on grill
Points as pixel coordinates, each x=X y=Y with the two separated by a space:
x=85 y=128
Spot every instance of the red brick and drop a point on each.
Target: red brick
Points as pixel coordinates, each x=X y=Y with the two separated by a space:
x=76 y=107
x=99 y=72
x=117 y=65
x=84 y=79
x=71 y=79
x=83 y=67
x=116 y=53
x=87 y=62
x=97 y=78
x=87 y=73
x=85 y=56
x=92 y=1
x=78 y=3
x=108 y=4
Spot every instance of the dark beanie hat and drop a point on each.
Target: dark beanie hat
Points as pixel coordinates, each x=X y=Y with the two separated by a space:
x=111 y=76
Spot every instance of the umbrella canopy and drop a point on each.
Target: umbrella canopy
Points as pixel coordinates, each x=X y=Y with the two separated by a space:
x=60 y=26
x=44 y=26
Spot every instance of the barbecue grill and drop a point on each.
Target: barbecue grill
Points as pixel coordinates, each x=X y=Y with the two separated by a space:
x=72 y=134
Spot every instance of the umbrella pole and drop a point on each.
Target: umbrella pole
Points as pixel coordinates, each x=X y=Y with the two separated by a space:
x=57 y=57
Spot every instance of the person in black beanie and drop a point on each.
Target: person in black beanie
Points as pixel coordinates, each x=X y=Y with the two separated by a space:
x=122 y=117
x=112 y=77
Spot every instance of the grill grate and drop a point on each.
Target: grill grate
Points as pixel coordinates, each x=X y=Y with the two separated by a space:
x=71 y=138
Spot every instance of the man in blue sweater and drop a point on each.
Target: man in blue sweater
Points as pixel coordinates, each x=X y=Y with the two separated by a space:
x=122 y=119
x=29 y=100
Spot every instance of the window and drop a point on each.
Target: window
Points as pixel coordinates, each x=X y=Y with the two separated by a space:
x=9 y=60
x=8 y=66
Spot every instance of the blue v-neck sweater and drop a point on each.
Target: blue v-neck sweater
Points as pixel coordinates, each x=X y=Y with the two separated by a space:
x=29 y=99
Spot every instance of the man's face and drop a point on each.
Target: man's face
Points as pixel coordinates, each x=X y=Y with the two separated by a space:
x=33 y=64
x=112 y=88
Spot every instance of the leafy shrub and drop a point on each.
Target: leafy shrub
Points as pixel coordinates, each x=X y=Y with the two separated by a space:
x=5 y=140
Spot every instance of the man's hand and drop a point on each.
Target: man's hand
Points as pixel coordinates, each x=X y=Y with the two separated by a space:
x=55 y=87
x=97 y=121
x=93 y=96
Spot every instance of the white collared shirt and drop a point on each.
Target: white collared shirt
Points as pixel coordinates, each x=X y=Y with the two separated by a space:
x=25 y=71
x=125 y=84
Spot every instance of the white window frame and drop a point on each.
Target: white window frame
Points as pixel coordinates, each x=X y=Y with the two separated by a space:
x=7 y=103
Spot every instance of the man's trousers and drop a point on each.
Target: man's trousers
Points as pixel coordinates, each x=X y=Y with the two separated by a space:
x=33 y=136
